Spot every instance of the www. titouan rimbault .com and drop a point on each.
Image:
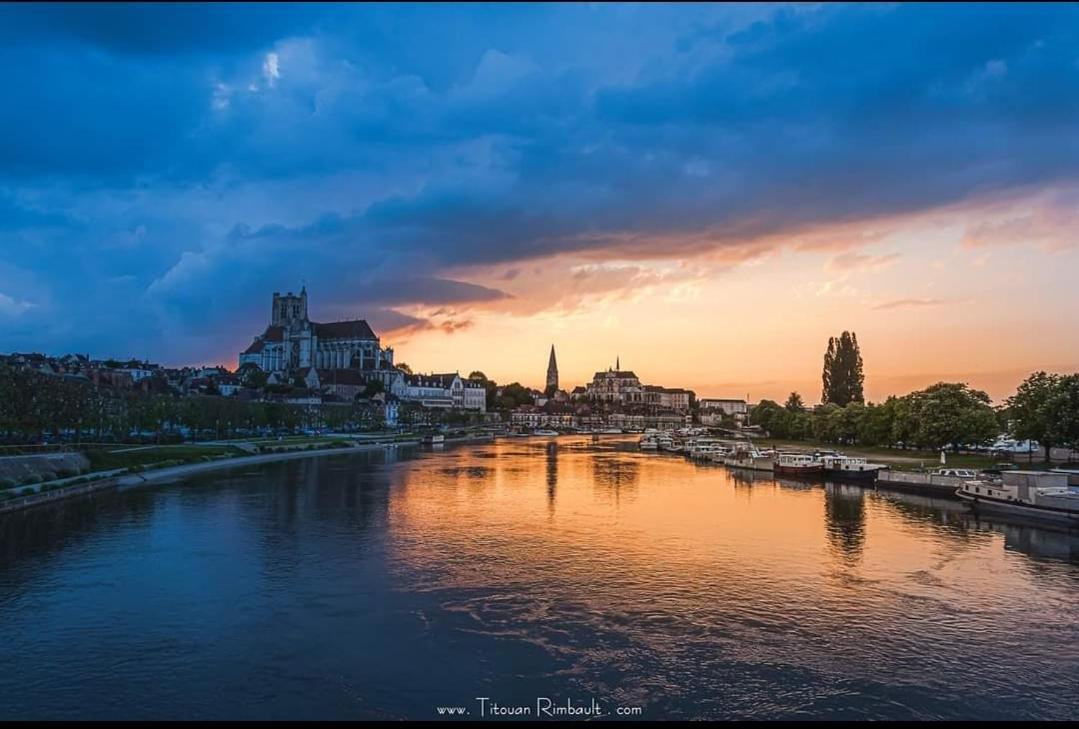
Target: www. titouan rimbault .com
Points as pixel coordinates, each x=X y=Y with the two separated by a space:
x=544 y=707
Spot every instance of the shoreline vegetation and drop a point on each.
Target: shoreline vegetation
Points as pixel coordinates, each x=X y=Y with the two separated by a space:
x=189 y=459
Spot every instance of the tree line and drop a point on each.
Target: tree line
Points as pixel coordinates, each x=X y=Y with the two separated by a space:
x=1045 y=408
x=947 y=414
x=33 y=404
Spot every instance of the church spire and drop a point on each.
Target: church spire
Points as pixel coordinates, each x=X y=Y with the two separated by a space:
x=552 y=373
x=617 y=364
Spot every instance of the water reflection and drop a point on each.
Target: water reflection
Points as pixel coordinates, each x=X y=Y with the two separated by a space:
x=383 y=585
x=552 y=474
x=844 y=511
x=1048 y=542
x=615 y=474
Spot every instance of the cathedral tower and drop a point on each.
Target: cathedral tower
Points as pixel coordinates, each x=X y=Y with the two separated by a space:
x=289 y=308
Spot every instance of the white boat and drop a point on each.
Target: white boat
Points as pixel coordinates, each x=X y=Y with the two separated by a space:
x=706 y=449
x=433 y=439
x=669 y=444
x=1029 y=494
x=695 y=446
x=748 y=458
x=849 y=468
x=648 y=442
x=544 y=431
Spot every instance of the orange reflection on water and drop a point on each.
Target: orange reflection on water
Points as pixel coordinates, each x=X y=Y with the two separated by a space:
x=624 y=530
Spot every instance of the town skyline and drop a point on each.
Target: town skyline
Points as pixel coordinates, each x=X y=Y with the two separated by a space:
x=578 y=375
x=712 y=206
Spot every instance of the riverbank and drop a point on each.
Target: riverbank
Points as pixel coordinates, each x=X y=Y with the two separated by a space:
x=170 y=473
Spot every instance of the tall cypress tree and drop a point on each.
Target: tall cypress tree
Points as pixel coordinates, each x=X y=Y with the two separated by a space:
x=842 y=375
x=826 y=373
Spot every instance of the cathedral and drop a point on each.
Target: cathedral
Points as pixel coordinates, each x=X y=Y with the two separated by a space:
x=292 y=341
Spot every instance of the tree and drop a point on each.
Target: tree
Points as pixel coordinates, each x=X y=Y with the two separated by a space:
x=373 y=388
x=950 y=414
x=404 y=368
x=826 y=422
x=771 y=417
x=799 y=425
x=1045 y=408
x=1064 y=407
x=848 y=423
x=513 y=395
x=252 y=376
x=842 y=374
x=878 y=422
x=794 y=403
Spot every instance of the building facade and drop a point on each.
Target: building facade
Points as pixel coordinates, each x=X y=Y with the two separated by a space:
x=727 y=407
x=667 y=398
x=441 y=391
x=615 y=386
x=716 y=411
x=618 y=387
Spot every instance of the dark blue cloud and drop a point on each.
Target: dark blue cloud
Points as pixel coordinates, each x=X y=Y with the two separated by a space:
x=164 y=167
x=159 y=28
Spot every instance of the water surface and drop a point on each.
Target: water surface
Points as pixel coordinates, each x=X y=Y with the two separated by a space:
x=387 y=585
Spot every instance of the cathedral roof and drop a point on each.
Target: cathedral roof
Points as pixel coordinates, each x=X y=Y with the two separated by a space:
x=435 y=380
x=341 y=377
x=621 y=374
x=671 y=390
x=274 y=334
x=354 y=329
x=255 y=348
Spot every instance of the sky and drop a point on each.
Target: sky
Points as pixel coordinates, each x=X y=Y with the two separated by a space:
x=706 y=192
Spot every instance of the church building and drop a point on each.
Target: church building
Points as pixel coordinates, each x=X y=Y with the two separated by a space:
x=292 y=341
x=552 y=374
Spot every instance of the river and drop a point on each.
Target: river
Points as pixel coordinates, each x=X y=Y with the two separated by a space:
x=387 y=585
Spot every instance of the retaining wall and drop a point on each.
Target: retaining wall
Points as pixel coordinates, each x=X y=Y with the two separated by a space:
x=18 y=470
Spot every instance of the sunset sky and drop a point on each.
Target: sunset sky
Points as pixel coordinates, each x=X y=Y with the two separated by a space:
x=707 y=193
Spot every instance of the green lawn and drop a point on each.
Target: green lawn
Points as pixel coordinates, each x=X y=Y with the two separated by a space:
x=104 y=459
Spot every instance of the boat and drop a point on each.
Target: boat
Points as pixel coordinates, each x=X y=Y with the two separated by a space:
x=703 y=448
x=544 y=431
x=669 y=444
x=797 y=464
x=434 y=439
x=1040 y=495
x=748 y=458
x=648 y=442
x=713 y=451
x=848 y=468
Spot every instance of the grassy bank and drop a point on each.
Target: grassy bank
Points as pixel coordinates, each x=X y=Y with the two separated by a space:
x=102 y=459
